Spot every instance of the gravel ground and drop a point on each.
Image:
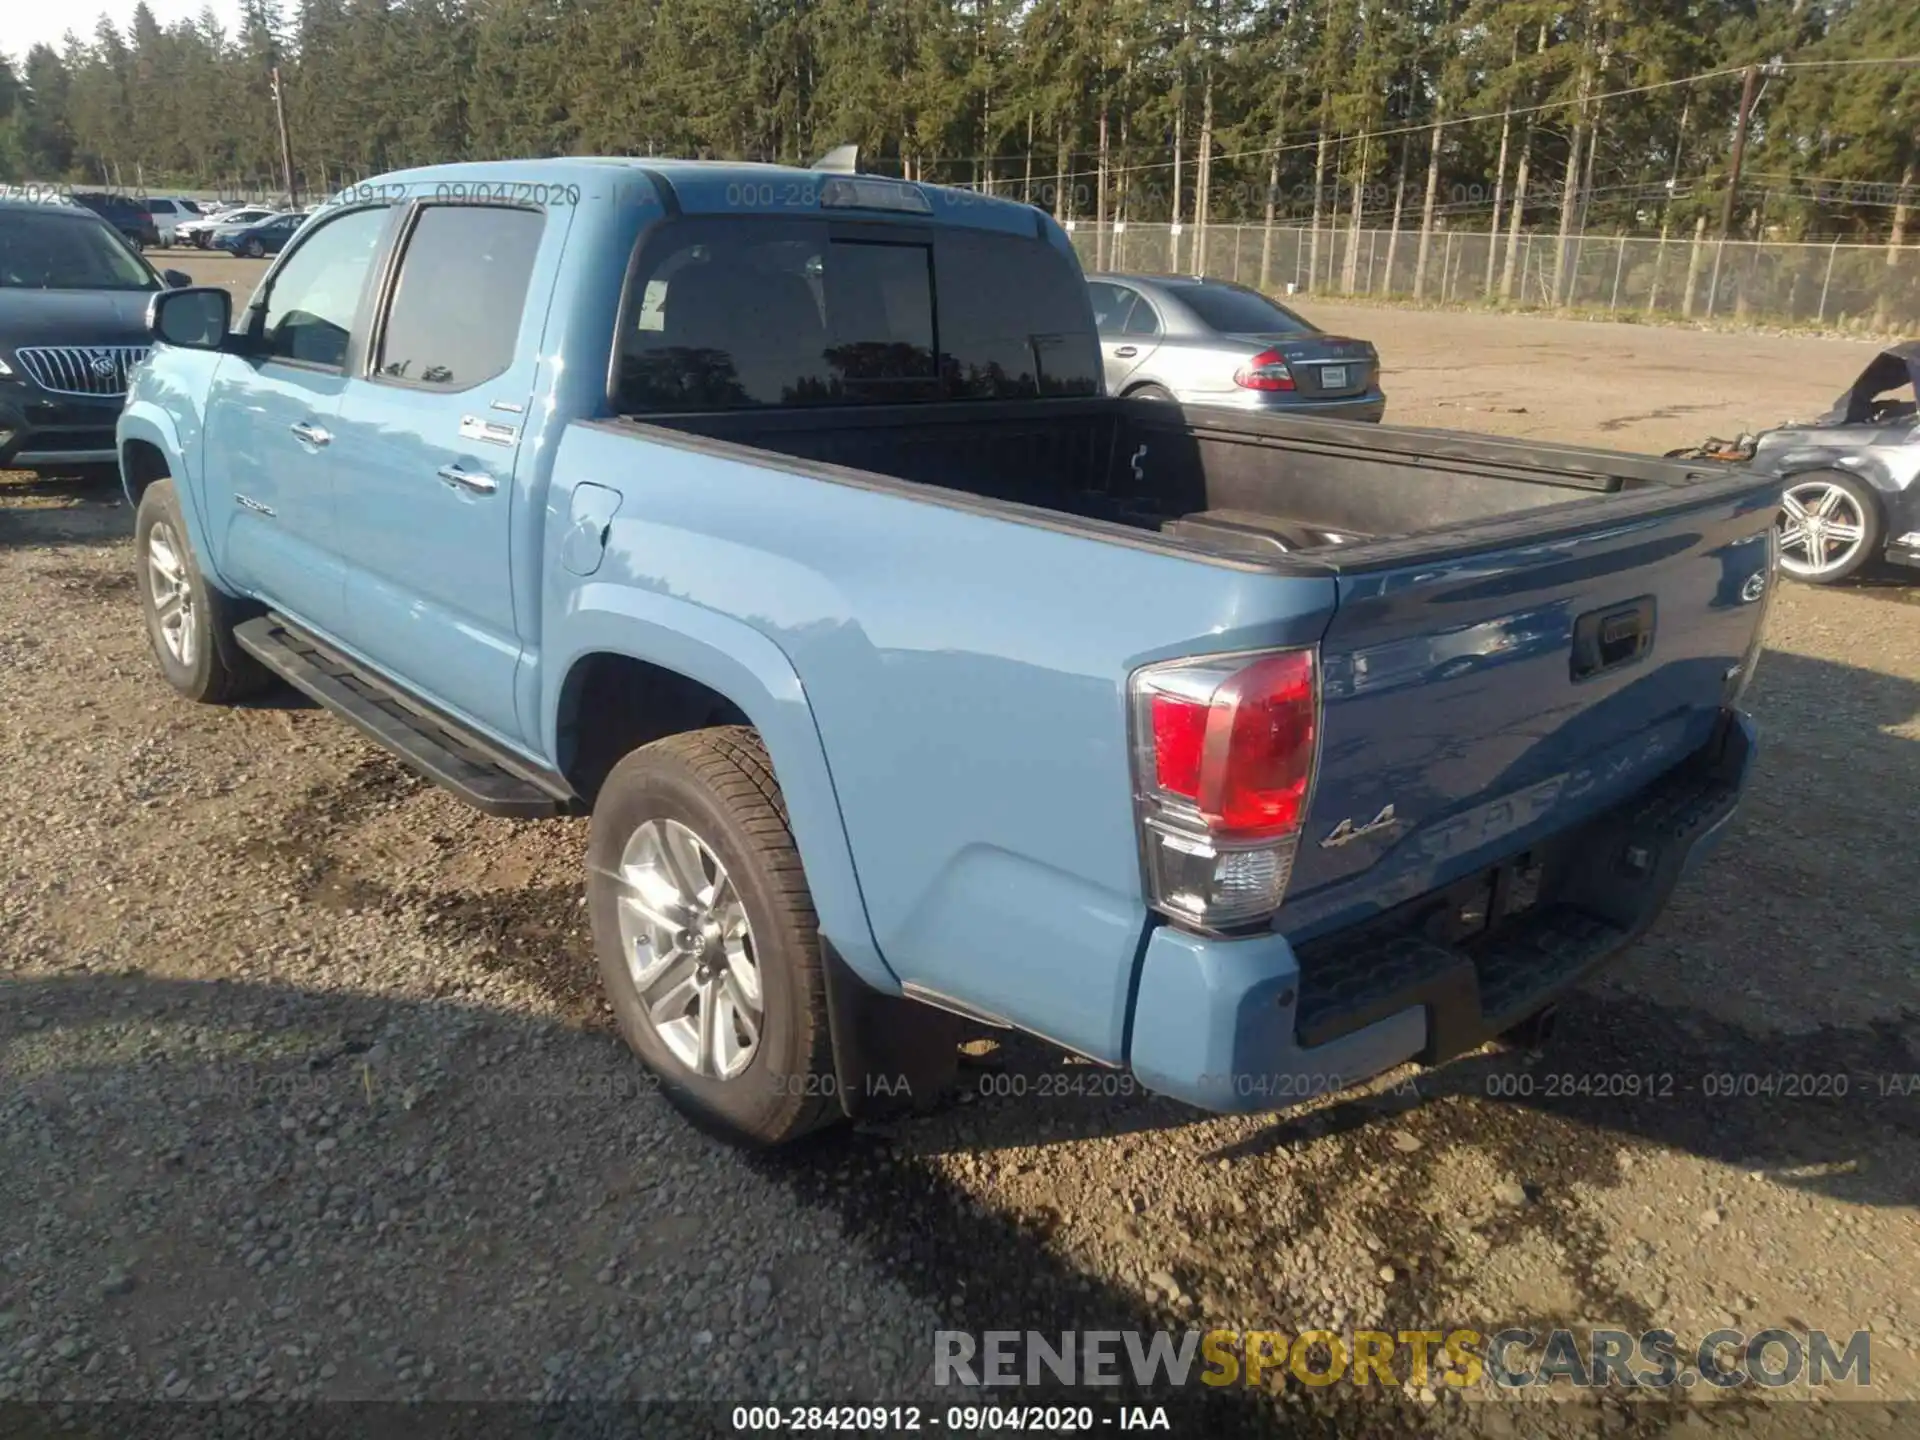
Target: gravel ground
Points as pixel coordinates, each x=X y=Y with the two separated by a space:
x=306 y=1088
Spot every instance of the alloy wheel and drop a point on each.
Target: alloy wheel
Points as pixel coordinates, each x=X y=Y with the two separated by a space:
x=689 y=950
x=172 y=594
x=1821 y=529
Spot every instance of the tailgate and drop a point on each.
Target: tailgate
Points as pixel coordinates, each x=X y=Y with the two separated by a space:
x=1476 y=702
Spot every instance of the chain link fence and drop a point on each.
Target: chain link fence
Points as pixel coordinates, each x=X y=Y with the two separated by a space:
x=1863 y=287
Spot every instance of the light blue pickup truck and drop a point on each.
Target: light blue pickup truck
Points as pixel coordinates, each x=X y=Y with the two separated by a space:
x=778 y=520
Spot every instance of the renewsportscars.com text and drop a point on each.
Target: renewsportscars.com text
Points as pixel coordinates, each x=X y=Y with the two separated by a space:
x=1508 y=1359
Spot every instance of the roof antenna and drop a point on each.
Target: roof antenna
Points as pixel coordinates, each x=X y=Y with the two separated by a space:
x=841 y=160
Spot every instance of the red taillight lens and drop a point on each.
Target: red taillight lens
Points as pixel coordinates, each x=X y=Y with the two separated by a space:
x=1179 y=741
x=1224 y=755
x=1265 y=371
x=1260 y=735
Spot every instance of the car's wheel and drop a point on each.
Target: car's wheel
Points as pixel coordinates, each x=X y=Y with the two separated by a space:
x=1149 y=392
x=189 y=623
x=1830 y=527
x=707 y=938
x=255 y=249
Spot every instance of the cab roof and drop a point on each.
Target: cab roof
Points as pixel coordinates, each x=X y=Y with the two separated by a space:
x=716 y=187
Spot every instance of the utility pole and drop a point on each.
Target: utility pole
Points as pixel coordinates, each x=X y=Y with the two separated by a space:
x=286 y=146
x=1739 y=155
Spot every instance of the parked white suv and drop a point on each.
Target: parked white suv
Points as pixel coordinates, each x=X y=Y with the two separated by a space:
x=169 y=213
x=199 y=229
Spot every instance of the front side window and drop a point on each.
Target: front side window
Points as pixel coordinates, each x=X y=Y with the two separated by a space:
x=749 y=313
x=455 y=316
x=51 y=250
x=315 y=292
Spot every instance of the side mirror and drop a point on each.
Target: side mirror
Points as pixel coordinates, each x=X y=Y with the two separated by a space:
x=176 y=279
x=197 y=318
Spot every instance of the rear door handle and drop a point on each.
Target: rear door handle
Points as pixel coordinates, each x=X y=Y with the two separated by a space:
x=313 y=434
x=478 y=481
x=1127 y=352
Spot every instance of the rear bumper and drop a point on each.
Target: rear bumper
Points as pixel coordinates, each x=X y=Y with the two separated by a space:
x=1250 y=1024
x=1371 y=407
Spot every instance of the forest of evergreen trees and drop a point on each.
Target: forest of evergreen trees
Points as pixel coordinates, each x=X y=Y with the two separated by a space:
x=1140 y=109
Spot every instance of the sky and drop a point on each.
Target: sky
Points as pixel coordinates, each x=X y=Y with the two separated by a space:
x=26 y=23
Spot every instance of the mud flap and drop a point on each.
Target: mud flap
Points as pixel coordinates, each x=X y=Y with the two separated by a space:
x=890 y=1054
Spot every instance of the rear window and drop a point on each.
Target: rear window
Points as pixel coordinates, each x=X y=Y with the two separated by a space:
x=746 y=313
x=1231 y=310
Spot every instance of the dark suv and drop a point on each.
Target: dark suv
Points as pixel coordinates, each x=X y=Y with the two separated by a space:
x=125 y=213
x=73 y=323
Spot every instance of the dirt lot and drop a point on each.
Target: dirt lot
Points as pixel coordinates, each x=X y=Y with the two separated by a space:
x=307 y=1089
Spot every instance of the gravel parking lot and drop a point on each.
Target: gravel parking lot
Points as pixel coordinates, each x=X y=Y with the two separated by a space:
x=306 y=1087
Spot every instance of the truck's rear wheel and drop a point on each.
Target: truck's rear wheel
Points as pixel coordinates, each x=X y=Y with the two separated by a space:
x=189 y=623
x=706 y=935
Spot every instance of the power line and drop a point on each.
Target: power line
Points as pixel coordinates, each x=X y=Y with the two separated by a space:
x=1841 y=64
x=1421 y=127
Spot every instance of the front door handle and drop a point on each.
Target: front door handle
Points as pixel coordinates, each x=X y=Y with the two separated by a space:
x=478 y=481
x=311 y=433
x=1127 y=352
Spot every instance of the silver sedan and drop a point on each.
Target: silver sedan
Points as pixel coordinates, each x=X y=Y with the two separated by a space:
x=1209 y=342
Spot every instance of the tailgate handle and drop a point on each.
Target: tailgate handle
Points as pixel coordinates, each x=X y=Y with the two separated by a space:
x=1607 y=639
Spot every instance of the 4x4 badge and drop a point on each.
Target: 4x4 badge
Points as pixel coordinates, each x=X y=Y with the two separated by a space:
x=1346 y=831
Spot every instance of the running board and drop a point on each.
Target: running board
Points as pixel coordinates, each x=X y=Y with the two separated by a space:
x=434 y=746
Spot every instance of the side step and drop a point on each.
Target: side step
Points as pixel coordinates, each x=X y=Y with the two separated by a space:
x=432 y=745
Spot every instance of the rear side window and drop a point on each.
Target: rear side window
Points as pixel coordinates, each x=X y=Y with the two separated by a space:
x=749 y=313
x=455 y=316
x=1111 y=304
x=1231 y=310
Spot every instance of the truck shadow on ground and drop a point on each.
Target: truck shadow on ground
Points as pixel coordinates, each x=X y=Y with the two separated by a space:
x=172 y=1122
x=62 y=511
x=205 y=1108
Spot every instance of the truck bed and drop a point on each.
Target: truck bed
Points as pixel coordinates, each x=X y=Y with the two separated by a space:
x=1228 y=482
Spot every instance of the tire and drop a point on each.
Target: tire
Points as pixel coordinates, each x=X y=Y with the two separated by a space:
x=1149 y=392
x=671 y=943
x=208 y=666
x=1847 y=529
x=255 y=250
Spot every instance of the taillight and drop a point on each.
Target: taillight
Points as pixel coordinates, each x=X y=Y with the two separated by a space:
x=1265 y=371
x=1224 y=750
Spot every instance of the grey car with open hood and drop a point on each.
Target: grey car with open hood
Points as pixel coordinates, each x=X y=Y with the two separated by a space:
x=1852 y=476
